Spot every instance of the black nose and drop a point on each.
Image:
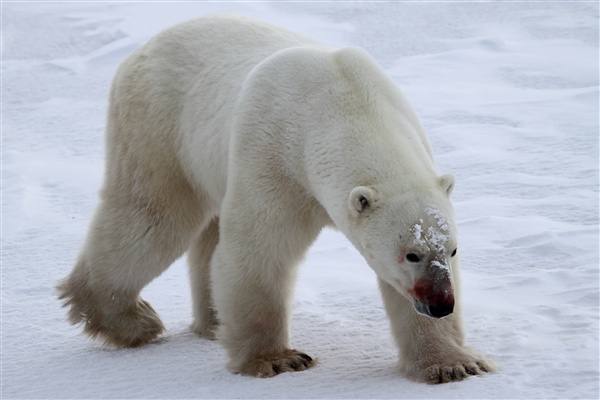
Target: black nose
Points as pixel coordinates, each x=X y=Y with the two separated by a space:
x=441 y=310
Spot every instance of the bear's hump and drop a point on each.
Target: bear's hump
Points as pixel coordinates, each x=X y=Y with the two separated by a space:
x=349 y=65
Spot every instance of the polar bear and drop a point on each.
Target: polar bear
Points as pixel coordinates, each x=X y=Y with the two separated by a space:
x=240 y=142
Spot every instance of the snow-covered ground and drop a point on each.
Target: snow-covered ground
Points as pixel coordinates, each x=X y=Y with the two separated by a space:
x=508 y=93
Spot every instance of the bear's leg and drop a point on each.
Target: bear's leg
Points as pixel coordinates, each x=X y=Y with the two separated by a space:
x=263 y=236
x=201 y=251
x=431 y=350
x=129 y=244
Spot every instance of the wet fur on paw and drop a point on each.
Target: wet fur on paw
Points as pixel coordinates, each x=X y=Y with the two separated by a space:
x=206 y=330
x=123 y=326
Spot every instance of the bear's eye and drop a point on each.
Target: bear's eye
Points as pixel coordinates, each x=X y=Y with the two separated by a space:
x=453 y=253
x=412 y=257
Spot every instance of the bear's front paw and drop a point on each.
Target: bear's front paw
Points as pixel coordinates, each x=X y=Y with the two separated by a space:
x=266 y=367
x=206 y=330
x=450 y=369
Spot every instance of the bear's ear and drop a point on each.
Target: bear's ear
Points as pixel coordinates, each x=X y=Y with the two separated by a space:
x=361 y=199
x=447 y=183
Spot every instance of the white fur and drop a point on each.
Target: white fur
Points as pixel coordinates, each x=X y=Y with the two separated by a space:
x=239 y=142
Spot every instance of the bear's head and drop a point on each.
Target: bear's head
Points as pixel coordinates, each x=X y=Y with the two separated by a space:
x=409 y=239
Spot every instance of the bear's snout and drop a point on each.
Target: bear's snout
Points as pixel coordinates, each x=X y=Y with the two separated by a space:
x=433 y=299
x=436 y=309
x=442 y=309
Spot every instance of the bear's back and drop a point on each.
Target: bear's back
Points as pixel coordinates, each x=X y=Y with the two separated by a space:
x=207 y=61
x=224 y=44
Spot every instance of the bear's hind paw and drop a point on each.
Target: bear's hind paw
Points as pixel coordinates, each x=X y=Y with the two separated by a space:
x=267 y=367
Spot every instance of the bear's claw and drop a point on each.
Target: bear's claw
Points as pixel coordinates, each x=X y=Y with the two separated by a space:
x=289 y=361
x=452 y=373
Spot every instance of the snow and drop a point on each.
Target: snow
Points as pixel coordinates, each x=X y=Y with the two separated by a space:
x=418 y=232
x=441 y=266
x=437 y=234
x=508 y=93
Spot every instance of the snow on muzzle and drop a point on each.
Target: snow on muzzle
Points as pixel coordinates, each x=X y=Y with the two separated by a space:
x=433 y=294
